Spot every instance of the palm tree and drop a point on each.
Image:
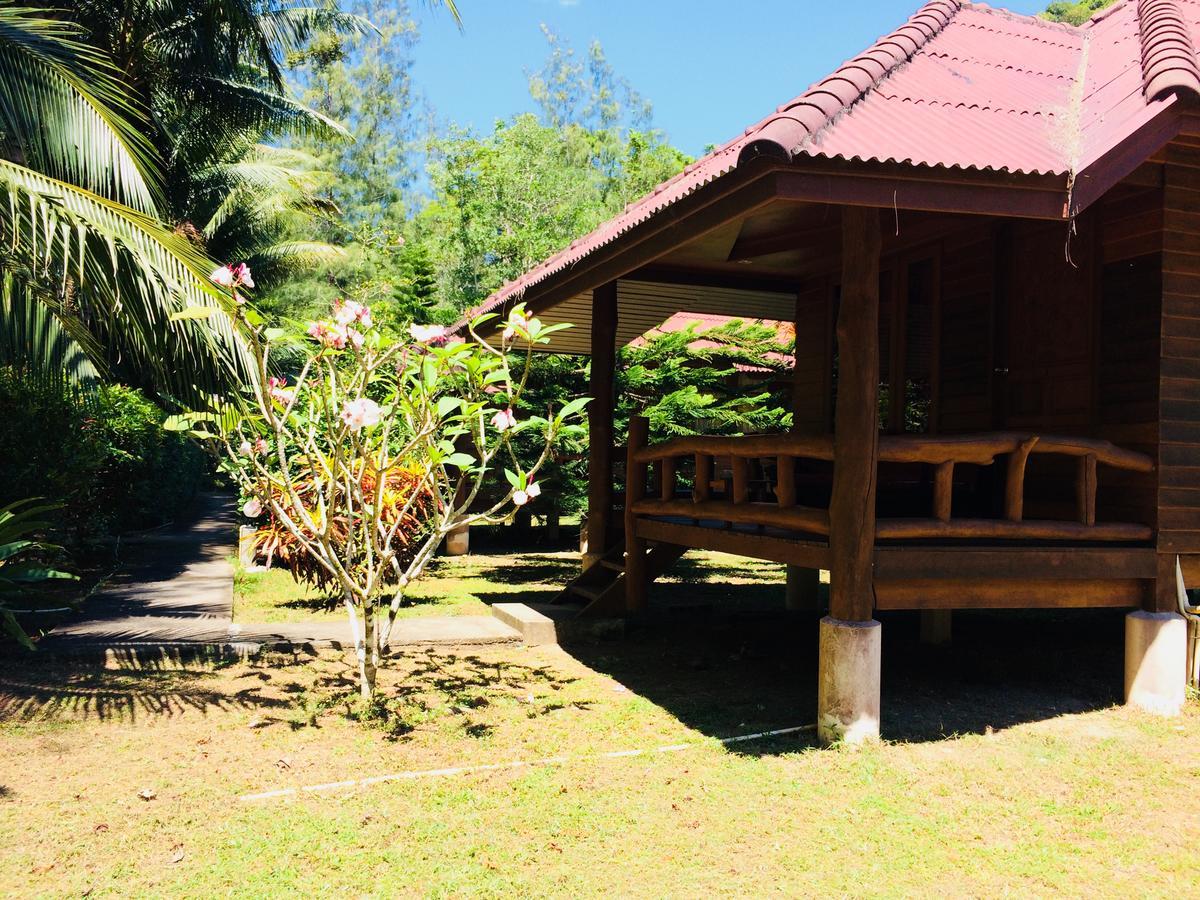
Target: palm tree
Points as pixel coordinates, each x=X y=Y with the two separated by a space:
x=89 y=274
x=129 y=168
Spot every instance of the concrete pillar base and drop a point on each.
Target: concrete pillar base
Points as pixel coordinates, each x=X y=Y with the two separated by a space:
x=935 y=627
x=1155 y=661
x=803 y=588
x=848 y=681
x=458 y=541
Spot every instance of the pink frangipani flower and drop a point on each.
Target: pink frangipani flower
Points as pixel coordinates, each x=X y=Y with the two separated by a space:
x=504 y=420
x=276 y=391
x=533 y=489
x=427 y=334
x=245 y=448
x=329 y=334
x=347 y=312
x=253 y=508
x=361 y=413
x=518 y=319
x=232 y=276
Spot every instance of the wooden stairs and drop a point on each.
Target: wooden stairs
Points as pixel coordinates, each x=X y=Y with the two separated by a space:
x=601 y=589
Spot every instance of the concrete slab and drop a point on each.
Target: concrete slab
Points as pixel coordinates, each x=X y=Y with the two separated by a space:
x=177 y=590
x=534 y=627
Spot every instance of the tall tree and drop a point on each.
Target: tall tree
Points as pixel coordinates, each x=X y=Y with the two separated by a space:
x=1074 y=13
x=89 y=273
x=586 y=92
x=504 y=202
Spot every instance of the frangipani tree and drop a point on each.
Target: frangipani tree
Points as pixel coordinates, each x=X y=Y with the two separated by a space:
x=378 y=450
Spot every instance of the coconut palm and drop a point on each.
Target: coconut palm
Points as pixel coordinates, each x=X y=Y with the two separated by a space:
x=135 y=147
x=89 y=271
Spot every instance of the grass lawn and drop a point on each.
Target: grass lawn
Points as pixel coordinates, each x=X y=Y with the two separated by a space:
x=1010 y=770
x=469 y=585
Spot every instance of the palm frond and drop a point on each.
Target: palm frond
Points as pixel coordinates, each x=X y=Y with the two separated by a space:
x=127 y=275
x=264 y=183
x=42 y=341
x=303 y=254
x=266 y=111
x=290 y=28
x=65 y=112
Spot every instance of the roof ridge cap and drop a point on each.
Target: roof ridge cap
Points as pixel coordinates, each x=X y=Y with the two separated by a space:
x=1105 y=13
x=783 y=134
x=1169 y=63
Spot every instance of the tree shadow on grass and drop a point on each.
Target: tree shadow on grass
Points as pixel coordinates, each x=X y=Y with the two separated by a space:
x=429 y=686
x=534 y=568
x=740 y=673
x=51 y=690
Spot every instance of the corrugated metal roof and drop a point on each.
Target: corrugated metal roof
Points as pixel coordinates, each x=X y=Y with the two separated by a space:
x=703 y=322
x=959 y=86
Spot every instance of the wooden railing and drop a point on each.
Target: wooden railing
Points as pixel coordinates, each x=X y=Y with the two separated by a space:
x=942 y=453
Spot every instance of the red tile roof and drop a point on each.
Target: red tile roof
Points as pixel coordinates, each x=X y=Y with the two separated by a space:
x=703 y=322
x=960 y=85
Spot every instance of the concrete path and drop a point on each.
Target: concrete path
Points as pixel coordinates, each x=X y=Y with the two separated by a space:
x=176 y=589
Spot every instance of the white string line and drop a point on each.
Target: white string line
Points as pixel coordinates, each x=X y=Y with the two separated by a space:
x=518 y=764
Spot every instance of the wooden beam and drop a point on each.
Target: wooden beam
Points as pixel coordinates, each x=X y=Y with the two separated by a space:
x=792 y=518
x=1036 y=199
x=600 y=420
x=810 y=554
x=943 y=593
x=1062 y=563
x=740 y=193
x=699 y=277
x=856 y=437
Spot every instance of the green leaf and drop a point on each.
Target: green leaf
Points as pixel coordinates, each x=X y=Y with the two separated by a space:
x=13 y=627
x=574 y=406
x=193 y=312
x=447 y=405
x=30 y=573
x=459 y=460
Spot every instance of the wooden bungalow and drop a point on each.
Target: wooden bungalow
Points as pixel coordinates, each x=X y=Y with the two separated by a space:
x=989 y=218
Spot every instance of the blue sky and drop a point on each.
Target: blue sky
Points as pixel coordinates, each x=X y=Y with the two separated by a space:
x=711 y=67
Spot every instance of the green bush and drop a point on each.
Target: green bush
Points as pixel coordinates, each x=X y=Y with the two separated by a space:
x=107 y=459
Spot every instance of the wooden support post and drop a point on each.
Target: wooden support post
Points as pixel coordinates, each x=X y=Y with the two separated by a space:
x=856 y=436
x=1085 y=489
x=1014 y=482
x=936 y=627
x=943 y=491
x=740 y=467
x=850 y=639
x=785 y=481
x=600 y=421
x=637 y=576
x=667 y=488
x=803 y=590
x=704 y=471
